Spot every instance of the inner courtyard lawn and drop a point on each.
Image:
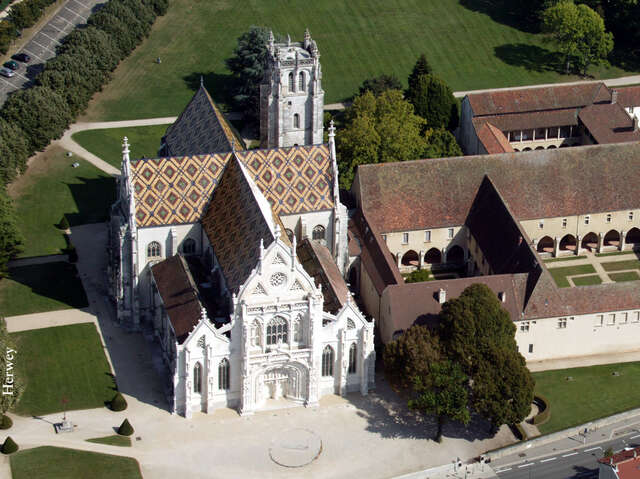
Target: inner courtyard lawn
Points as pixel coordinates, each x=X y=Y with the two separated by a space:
x=62 y=362
x=41 y=287
x=626 y=276
x=621 y=265
x=587 y=280
x=593 y=392
x=61 y=463
x=560 y=274
x=106 y=144
x=52 y=188
x=472 y=44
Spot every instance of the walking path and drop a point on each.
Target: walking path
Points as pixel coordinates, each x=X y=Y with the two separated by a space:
x=596 y=262
x=584 y=361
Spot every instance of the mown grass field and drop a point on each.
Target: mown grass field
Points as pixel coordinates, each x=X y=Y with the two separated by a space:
x=41 y=287
x=472 y=44
x=587 y=280
x=593 y=393
x=61 y=463
x=144 y=141
x=621 y=265
x=62 y=362
x=52 y=188
x=560 y=274
x=627 y=276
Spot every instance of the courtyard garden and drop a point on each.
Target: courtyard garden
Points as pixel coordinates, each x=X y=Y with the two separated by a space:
x=560 y=274
x=62 y=363
x=579 y=395
x=41 y=287
x=61 y=463
x=470 y=44
x=107 y=143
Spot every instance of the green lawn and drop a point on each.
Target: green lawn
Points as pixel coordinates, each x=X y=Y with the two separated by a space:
x=121 y=441
x=594 y=392
x=107 y=144
x=42 y=287
x=615 y=253
x=472 y=44
x=587 y=280
x=62 y=362
x=564 y=258
x=560 y=274
x=620 y=265
x=61 y=463
x=628 y=276
x=52 y=188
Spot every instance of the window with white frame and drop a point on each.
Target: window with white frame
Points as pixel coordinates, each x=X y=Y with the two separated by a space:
x=353 y=351
x=624 y=317
x=562 y=323
x=301 y=81
x=327 y=361
x=541 y=224
x=531 y=348
x=611 y=319
x=405 y=238
x=564 y=222
x=587 y=219
x=277 y=331
x=197 y=378
x=524 y=326
x=318 y=233
x=154 y=250
x=599 y=320
x=636 y=317
x=223 y=374
x=608 y=218
x=450 y=233
x=427 y=236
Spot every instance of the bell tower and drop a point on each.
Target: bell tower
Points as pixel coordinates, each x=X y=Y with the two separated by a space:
x=291 y=95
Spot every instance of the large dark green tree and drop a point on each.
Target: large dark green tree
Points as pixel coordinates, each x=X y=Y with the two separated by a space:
x=377 y=85
x=411 y=355
x=247 y=66
x=433 y=100
x=10 y=237
x=421 y=67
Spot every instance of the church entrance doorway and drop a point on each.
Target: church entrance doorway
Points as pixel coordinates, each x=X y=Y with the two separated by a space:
x=283 y=382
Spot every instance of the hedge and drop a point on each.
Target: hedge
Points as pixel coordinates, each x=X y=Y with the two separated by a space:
x=518 y=432
x=118 y=403
x=21 y=15
x=544 y=410
x=125 y=428
x=5 y=422
x=9 y=446
x=32 y=117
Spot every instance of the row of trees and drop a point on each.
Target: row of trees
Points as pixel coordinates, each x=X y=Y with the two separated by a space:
x=21 y=15
x=384 y=124
x=85 y=60
x=471 y=363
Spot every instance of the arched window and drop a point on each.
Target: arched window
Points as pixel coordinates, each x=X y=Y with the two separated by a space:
x=327 y=361
x=189 y=246
x=292 y=86
x=318 y=232
x=197 y=378
x=301 y=81
x=296 y=120
x=353 y=350
x=350 y=324
x=256 y=334
x=153 y=250
x=223 y=374
x=277 y=330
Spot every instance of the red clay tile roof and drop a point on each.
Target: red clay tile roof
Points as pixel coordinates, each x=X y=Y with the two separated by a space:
x=529 y=120
x=609 y=123
x=628 y=463
x=493 y=139
x=629 y=96
x=535 y=99
x=179 y=294
x=235 y=222
x=317 y=261
x=425 y=194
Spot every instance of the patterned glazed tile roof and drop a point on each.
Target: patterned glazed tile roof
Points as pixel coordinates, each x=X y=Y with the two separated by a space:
x=235 y=222
x=177 y=190
x=200 y=129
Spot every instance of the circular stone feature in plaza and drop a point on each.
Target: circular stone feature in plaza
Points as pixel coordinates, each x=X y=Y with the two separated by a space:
x=295 y=448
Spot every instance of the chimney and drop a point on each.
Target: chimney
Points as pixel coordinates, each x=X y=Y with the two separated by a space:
x=614 y=96
x=442 y=296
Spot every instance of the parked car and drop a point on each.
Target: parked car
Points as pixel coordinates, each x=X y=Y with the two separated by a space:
x=22 y=57
x=11 y=65
x=5 y=72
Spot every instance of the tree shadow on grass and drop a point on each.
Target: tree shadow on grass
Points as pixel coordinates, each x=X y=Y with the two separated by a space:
x=518 y=15
x=58 y=280
x=219 y=85
x=93 y=198
x=531 y=57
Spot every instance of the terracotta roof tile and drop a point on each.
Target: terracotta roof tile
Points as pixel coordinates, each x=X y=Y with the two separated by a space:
x=628 y=463
x=609 y=123
x=493 y=139
x=529 y=120
x=629 y=96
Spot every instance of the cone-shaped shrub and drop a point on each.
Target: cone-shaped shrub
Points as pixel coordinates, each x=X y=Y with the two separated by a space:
x=9 y=446
x=118 y=403
x=5 y=422
x=125 y=428
x=64 y=223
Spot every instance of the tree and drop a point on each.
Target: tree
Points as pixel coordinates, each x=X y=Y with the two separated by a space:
x=411 y=355
x=94 y=46
x=479 y=335
x=377 y=85
x=421 y=67
x=7 y=376
x=8 y=446
x=14 y=152
x=442 y=392
x=247 y=66
x=433 y=100
x=118 y=403
x=10 y=237
x=579 y=33
x=125 y=428
x=440 y=144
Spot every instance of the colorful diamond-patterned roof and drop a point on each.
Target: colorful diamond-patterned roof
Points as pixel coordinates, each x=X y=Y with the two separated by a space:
x=177 y=190
x=200 y=128
x=235 y=223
